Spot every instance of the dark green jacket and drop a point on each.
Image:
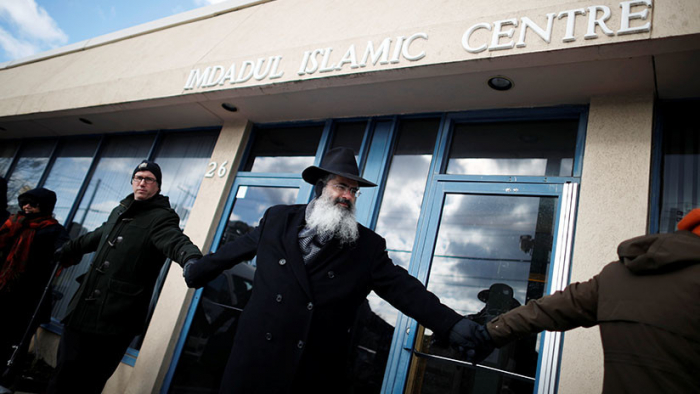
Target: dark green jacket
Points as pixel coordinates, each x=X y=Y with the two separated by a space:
x=131 y=247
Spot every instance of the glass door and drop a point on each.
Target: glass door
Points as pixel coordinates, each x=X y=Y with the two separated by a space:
x=207 y=338
x=489 y=248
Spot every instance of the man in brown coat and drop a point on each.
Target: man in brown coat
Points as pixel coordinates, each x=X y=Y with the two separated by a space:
x=647 y=305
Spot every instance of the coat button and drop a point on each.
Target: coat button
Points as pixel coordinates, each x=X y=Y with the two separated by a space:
x=300 y=344
x=279 y=297
x=331 y=274
x=283 y=261
x=310 y=306
x=96 y=293
x=268 y=336
x=105 y=265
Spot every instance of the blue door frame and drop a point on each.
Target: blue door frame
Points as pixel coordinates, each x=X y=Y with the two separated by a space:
x=374 y=158
x=406 y=328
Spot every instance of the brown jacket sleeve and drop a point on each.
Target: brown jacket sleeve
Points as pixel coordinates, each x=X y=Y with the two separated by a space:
x=575 y=306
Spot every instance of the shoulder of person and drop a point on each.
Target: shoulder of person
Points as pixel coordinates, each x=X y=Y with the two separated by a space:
x=367 y=235
x=285 y=209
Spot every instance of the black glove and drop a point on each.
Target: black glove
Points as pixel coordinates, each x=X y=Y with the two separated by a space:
x=200 y=271
x=58 y=254
x=64 y=258
x=472 y=340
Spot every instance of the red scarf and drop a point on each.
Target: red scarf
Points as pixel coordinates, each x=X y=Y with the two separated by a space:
x=16 y=237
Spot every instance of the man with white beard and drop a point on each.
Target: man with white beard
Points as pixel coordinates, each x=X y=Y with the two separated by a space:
x=315 y=267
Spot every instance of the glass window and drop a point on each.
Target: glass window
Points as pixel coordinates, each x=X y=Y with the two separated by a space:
x=283 y=149
x=491 y=254
x=536 y=148
x=680 y=181
x=183 y=159
x=33 y=159
x=210 y=338
x=68 y=173
x=349 y=135
x=397 y=222
x=109 y=184
x=7 y=153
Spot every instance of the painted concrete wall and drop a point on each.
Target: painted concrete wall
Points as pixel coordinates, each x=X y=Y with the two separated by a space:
x=157 y=65
x=613 y=206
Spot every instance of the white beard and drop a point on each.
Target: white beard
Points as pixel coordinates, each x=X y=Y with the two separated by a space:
x=330 y=219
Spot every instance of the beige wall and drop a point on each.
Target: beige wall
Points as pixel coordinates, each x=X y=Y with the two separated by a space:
x=613 y=206
x=154 y=358
x=156 y=65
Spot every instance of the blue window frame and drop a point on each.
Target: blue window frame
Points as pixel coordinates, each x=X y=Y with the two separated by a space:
x=70 y=166
x=380 y=138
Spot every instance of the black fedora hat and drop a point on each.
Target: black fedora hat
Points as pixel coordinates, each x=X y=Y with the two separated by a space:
x=337 y=161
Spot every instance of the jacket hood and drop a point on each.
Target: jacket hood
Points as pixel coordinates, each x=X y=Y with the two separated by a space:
x=660 y=251
x=45 y=197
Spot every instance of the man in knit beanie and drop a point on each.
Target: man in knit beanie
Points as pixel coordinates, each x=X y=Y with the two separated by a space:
x=646 y=305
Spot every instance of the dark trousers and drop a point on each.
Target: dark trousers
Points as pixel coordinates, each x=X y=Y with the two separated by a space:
x=86 y=361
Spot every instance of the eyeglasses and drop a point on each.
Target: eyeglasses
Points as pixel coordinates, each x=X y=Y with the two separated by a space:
x=137 y=179
x=345 y=188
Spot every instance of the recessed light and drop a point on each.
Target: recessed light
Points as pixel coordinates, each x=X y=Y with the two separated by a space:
x=229 y=107
x=500 y=83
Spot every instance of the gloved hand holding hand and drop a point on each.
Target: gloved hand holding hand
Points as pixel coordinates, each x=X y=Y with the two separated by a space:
x=198 y=272
x=65 y=259
x=472 y=340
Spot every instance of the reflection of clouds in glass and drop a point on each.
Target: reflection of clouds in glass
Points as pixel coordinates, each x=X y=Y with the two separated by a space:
x=403 y=195
x=479 y=166
x=258 y=199
x=567 y=167
x=398 y=217
x=478 y=244
x=383 y=309
x=291 y=164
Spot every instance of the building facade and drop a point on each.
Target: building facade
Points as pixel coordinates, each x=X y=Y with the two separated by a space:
x=515 y=144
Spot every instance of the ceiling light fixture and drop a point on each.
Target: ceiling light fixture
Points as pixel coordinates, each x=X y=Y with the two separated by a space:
x=229 y=107
x=500 y=83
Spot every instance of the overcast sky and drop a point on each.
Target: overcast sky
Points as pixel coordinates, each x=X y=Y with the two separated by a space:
x=33 y=26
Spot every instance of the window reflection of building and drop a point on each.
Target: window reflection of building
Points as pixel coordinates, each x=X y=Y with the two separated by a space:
x=210 y=337
x=680 y=163
x=480 y=269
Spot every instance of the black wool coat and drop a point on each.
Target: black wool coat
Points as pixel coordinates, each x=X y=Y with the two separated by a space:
x=131 y=247
x=294 y=333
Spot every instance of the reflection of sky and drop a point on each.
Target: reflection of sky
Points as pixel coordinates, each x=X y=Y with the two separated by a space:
x=478 y=244
x=65 y=178
x=290 y=164
x=398 y=217
x=516 y=167
x=24 y=177
x=476 y=166
x=252 y=203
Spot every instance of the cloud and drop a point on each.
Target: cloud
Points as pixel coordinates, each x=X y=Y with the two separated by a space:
x=31 y=28
x=202 y=3
x=16 y=48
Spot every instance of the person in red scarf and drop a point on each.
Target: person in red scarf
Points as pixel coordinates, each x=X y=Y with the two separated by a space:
x=28 y=240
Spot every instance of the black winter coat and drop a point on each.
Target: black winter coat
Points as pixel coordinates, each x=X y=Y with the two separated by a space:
x=131 y=247
x=294 y=333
